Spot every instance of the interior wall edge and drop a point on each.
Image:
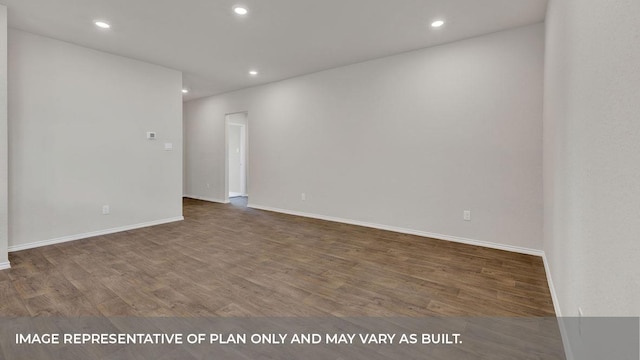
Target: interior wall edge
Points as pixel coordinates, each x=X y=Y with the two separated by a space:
x=556 y=306
x=552 y=289
x=4 y=141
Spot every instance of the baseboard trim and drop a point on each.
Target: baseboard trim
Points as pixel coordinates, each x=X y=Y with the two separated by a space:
x=206 y=199
x=552 y=289
x=5 y=265
x=556 y=306
x=91 y=234
x=457 y=239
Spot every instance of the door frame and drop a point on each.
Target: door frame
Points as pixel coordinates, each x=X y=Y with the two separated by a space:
x=244 y=152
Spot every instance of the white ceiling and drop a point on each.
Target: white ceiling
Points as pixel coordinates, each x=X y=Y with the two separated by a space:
x=281 y=38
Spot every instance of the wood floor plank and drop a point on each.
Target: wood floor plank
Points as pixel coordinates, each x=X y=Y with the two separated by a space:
x=230 y=260
x=10 y=302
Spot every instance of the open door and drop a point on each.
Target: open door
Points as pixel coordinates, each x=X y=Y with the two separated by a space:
x=237 y=155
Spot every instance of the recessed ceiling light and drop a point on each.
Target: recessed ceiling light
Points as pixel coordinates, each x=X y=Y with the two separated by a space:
x=253 y=73
x=240 y=10
x=185 y=91
x=102 y=24
x=437 y=23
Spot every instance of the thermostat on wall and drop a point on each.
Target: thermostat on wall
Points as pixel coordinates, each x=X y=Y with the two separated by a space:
x=151 y=135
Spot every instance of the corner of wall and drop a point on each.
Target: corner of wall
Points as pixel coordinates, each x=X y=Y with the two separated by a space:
x=4 y=139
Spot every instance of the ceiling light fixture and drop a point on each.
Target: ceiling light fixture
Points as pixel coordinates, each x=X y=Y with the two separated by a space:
x=437 y=23
x=185 y=91
x=253 y=73
x=240 y=10
x=102 y=24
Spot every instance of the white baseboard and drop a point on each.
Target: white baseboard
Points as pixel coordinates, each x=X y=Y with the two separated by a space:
x=556 y=306
x=91 y=234
x=206 y=199
x=552 y=289
x=5 y=265
x=517 y=249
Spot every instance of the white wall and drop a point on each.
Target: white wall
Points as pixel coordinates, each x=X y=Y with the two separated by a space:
x=408 y=141
x=592 y=155
x=77 y=123
x=236 y=160
x=4 y=201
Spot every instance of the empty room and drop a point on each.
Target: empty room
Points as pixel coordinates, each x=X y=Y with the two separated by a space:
x=297 y=179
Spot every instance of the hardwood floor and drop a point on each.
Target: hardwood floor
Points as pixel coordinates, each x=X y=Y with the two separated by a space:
x=228 y=260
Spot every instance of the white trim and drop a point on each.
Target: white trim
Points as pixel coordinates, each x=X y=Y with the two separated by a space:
x=568 y=353
x=517 y=249
x=5 y=265
x=91 y=234
x=556 y=306
x=552 y=289
x=206 y=199
x=227 y=122
x=243 y=156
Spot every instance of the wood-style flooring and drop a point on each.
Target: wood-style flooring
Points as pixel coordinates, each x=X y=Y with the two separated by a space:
x=228 y=260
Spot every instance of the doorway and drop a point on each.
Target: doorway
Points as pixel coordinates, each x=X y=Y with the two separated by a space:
x=236 y=155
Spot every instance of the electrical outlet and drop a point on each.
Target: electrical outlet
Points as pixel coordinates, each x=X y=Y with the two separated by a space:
x=303 y=197
x=208 y=185
x=466 y=215
x=106 y=210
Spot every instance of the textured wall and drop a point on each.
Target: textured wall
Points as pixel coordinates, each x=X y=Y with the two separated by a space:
x=592 y=155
